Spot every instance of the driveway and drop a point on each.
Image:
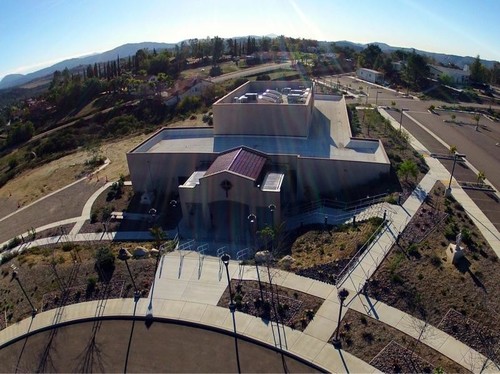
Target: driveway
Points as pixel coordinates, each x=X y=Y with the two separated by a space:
x=114 y=346
x=67 y=203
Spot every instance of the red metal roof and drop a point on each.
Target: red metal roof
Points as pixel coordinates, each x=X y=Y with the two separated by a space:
x=239 y=161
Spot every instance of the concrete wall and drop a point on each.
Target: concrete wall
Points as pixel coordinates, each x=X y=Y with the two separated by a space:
x=322 y=177
x=263 y=118
x=161 y=171
x=243 y=191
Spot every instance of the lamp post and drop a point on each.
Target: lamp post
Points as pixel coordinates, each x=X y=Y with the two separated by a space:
x=455 y=156
x=16 y=277
x=225 y=260
x=124 y=256
x=152 y=214
x=342 y=295
x=252 y=218
x=174 y=204
x=272 y=208
x=376 y=98
x=401 y=118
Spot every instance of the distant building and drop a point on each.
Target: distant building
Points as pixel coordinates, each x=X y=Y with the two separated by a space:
x=458 y=77
x=184 y=88
x=370 y=75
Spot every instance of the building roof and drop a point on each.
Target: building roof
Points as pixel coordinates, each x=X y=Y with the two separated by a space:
x=450 y=71
x=239 y=161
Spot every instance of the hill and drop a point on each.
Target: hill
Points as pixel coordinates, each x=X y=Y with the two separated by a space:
x=125 y=50
x=14 y=80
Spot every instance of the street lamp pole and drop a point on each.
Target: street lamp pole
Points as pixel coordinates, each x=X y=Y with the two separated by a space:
x=253 y=221
x=16 y=277
x=272 y=208
x=455 y=156
x=225 y=260
x=174 y=204
x=401 y=118
x=124 y=255
x=342 y=295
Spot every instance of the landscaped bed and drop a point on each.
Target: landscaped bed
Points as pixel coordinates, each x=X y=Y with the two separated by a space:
x=388 y=349
x=323 y=254
x=66 y=273
x=418 y=278
x=404 y=177
x=273 y=303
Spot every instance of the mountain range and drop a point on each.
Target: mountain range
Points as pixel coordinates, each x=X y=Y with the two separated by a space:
x=14 y=80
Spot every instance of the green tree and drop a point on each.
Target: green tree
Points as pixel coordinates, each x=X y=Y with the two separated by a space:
x=477 y=117
x=416 y=71
x=371 y=56
x=158 y=235
x=20 y=133
x=217 y=50
x=408 y=168
x=105 y=263
x=477 y=71
x=481 y=176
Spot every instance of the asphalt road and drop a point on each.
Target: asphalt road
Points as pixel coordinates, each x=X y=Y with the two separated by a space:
x=113 y=346
x=487 y=202
x=67 y=203
x=479 y=146
x=251 y=71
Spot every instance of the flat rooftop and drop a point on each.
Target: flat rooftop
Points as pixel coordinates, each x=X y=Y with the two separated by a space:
x=329 y=138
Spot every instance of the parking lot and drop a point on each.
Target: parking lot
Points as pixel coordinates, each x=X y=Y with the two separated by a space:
x=480 y=147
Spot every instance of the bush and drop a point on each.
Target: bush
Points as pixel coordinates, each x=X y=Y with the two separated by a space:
x=436 y=261
x=215 y=71
x=263 y=77
x=105 y=262
x=68 y=246
x=91 y=283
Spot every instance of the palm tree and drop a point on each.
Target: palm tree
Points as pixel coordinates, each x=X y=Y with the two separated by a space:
x=481 y=177
x=453 y=149
x=408 y=168
x=477 y=117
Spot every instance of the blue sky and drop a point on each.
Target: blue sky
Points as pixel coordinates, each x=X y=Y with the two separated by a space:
x=38 y=33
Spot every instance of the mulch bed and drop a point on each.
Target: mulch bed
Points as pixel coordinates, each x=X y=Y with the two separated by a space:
x=472 y=333
x=395 y=358
x=55 y=231
x=425 y=221
x=294 y=309
x=370 y=340
x=83 y=292
x=325 y=272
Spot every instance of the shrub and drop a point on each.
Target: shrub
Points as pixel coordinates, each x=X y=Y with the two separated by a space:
x=91 y=283
x=436 y=261
x=105 y=262
x=263 y=77
x=68 y=246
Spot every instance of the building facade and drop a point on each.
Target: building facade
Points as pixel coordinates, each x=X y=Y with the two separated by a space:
x=272 y=144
